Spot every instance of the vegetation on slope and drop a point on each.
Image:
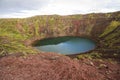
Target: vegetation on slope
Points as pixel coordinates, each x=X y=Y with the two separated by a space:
x=102 y=27
x=113 y=25
x=111 y=35
x=11 y=39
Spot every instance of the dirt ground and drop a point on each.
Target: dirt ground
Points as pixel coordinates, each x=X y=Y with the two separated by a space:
x=51 y=66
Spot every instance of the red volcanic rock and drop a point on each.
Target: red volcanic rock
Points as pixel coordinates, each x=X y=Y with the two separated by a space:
x=48 y=66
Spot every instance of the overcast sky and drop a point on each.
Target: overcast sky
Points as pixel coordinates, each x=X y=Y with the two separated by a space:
x=27 y=8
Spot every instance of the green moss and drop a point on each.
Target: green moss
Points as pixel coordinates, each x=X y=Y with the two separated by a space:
x=92 y=55
x=113 y=25
x=8 y=46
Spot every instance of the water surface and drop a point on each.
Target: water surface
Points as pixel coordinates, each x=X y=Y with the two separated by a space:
x=65 y=45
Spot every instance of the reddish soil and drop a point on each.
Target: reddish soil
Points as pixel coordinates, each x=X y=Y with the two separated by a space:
x=51 y=66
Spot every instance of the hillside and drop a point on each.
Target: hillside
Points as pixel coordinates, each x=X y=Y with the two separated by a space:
x=18 y=34
x=102 y=27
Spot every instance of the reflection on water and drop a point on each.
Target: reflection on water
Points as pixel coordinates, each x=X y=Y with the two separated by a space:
x=72 y=46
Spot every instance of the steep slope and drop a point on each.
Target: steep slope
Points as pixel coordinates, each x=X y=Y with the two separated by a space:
x=101 y=27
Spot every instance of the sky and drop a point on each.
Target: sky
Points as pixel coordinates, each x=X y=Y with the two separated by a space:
x=28 y=8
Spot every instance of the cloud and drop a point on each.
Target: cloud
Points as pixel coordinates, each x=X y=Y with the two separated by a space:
x=82 y=6
x=11 y=6
x=26 y=8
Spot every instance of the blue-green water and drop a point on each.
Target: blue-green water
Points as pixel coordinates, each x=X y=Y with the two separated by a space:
x=68 y=46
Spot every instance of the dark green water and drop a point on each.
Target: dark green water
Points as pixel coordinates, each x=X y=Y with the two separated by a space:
x=65 y=45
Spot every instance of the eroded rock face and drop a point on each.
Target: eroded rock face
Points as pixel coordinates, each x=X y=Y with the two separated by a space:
x=74 y=25
x=92 y=25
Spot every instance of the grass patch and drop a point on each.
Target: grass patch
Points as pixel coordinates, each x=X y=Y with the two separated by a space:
x=113 y=25
x=8 y=46
x=92 y=55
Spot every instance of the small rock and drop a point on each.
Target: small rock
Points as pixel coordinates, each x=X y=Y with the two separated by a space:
x=89 y=63
x=75 y=59
x=108 y=72
x=103 y=66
